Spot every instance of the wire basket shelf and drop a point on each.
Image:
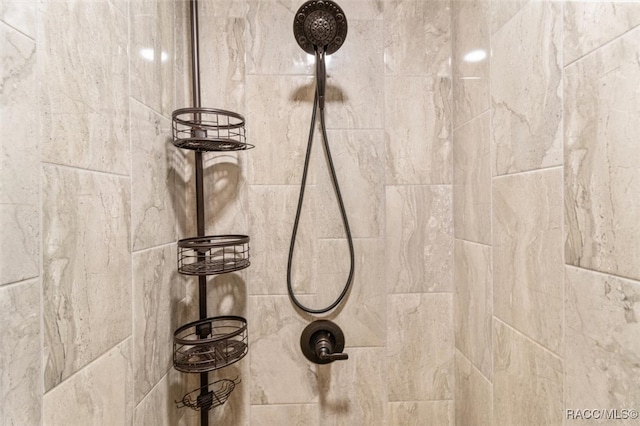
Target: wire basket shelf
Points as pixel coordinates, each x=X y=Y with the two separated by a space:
x=209 y=129
x=210 y=344
x=213 y=254
x=211 y=396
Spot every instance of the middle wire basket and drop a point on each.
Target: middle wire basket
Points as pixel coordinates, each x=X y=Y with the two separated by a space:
x=213 y=255
x=210 y=344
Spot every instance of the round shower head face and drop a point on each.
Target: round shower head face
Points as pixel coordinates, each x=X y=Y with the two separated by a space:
x=320 y=24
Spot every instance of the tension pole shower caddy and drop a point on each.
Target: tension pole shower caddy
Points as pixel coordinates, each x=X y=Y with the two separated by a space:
x=209 y=343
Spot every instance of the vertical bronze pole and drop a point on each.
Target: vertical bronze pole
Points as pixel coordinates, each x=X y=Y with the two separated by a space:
x=200 y=223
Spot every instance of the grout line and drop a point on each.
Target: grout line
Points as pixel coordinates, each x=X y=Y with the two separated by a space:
x=25 y=281
x=98 y=357
x=562 y=203
x=525 y=172
x=475 y=117
x=539 y=345
x=148 y=249
x=474 y=242
x=603 y=274
x=138 y=101
x=33 y=39
x=597 y=48
x=463 y=355
x=76 y=168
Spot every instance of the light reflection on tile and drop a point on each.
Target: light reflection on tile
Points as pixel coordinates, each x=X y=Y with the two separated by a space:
x=470 y=75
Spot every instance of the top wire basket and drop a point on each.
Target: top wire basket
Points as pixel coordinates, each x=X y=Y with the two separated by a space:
x=209 y=129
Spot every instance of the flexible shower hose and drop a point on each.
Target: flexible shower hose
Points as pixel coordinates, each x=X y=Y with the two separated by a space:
x=343 y=213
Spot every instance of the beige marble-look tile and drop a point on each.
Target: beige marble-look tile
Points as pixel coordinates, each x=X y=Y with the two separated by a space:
x=353 y=391
x=222 y=64
x=355 y=79
x=417 y=135
x=19 y=159
x=527 y=381
x=19 y=155
x=362 y=9
x=152 y=54
x=526 y=90
x=502 y=11
x=95 y=395
x=438 y=413
x=158 y=407
x=472 y=180
x=237 y=409
x=470 y=59
x=153 y=182
x=223 y=9
x=85 y=118
x=87 y=268
x=20 y=362
x=420 y=347
x=602 y=172
x=274 y=334
x=272 y=212
x=474 y=395
x=182 y=44
x=158 y=310
x=21 y=15
x=602 y=362
x=527 y=254
x=19 y=243
x=281 y=125
x=269 y=26
x=419 y=234
x=287 y=414
x=358 y=157
x=591 y=24
x=474 y=303
x=362 y=314
x=417 y=37
x=225 y=193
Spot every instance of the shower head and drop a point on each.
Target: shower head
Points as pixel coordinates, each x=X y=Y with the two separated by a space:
x=320 y=25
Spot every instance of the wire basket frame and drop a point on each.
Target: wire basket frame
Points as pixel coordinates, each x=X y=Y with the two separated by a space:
x=209 y=129
x=210 y=344
x=207 y=397
x=213 y=254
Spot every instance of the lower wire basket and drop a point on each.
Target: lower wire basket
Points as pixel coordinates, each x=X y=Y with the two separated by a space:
x=207 y=397
x=210 y=344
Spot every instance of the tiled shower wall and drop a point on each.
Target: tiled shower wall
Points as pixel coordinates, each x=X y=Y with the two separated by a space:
x=91 y=209
x=388 y=120
x=546 y=278
x=547 y=207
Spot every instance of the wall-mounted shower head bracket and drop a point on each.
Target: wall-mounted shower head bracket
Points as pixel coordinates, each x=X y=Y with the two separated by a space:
x=322 y=342
x=320 y=24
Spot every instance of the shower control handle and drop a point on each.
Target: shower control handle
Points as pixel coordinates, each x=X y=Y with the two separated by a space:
x=325 y=348
x=322 y=342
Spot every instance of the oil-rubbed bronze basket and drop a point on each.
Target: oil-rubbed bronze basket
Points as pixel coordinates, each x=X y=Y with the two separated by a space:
x=213 y=255
x=210 y=344
x=207 y=397
x=209 y=129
